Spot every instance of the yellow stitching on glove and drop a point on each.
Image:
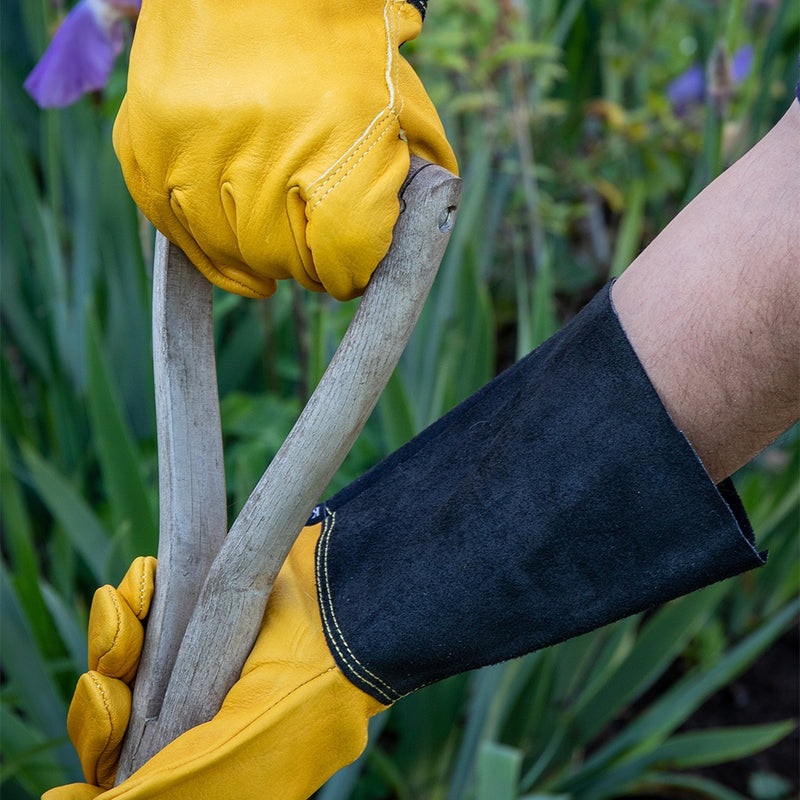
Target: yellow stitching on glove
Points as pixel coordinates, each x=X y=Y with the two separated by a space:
x=327 y=609
x=99 y=686
x=282 y=112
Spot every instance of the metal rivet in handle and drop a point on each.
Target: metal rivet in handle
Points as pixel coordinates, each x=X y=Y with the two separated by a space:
x=446 y=219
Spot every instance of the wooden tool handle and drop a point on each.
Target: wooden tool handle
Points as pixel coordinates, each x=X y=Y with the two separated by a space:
x=192 y=500
x=231 y=604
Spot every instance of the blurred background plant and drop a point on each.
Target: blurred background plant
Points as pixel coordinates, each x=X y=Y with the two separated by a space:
x=581 y=128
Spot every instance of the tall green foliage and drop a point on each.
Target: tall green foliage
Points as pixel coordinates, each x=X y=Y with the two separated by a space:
x=572 y=160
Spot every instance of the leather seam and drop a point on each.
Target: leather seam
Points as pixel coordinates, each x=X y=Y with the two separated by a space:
x=113 y=595
x=142 y=580
x=101 y=691
x=353 y=167
x=336 y=636
x=391 y=112
x=297 y=688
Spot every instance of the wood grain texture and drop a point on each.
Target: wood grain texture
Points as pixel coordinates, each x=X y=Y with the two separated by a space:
x=192 y=501
x=227 y=617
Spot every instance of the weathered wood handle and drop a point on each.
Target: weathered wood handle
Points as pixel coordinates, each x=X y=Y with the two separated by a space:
x=231 y=604
x=192 y=500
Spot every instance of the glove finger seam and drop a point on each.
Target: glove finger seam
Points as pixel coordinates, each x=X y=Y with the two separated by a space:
x=115 y=602
x=393 y=112
x=101 y=691
x=319 y=184
x=350 y=659
x=142 y=583
x=386 y=129
x=298 y=687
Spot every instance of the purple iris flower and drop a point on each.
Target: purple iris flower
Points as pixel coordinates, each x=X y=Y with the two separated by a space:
x=82 y=52
x=691 y=87
x=742 y=63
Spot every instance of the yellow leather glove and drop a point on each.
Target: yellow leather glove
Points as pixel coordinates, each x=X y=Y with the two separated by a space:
x=289 y=723
x=269 y=140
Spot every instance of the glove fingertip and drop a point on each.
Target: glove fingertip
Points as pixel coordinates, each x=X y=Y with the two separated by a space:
x=116 y=635
x=138 y=584
x=73 y=791
x=96 y=722
x=350 y=228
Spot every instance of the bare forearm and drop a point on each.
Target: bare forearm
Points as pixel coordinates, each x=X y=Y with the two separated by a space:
x=712 y=306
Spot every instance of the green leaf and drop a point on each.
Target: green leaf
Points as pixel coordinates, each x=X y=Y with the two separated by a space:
x=707 y=747
x=628 y=241
x=521 y=51
x=394 y=412
x=659 y=642
x=19 y=539
x=70 y=624
x=129 y=500
x=86 y=533
x=684 y=751
x=617 y=642
x=576 y=658
x=30 y=757
x=486 y=685
x=25 y=668
x=693 y=785
x=542 y=796
x=672 y=708
x=498 y=772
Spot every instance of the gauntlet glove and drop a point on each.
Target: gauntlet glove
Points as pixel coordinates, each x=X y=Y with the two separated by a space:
x=290 y=721
x=557 y=499
x=269 y=140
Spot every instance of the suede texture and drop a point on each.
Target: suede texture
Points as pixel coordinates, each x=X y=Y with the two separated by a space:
x=557 y=499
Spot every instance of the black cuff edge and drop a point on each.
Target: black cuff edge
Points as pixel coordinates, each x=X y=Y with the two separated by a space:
x=420 y=5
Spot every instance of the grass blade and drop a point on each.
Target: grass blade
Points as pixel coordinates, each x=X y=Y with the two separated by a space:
x=130 y=503
x=715 y=746
x=498 y=772
x=86 y=533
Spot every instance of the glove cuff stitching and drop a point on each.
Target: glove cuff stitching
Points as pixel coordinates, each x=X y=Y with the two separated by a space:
x=349 y=658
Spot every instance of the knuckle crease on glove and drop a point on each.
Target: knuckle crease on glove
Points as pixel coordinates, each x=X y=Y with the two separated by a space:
x=392 y=113
x=227 y=200
x=179 y=215
x=385 y=690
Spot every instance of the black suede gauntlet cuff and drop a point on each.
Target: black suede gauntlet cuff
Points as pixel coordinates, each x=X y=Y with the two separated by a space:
x=558 y=498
